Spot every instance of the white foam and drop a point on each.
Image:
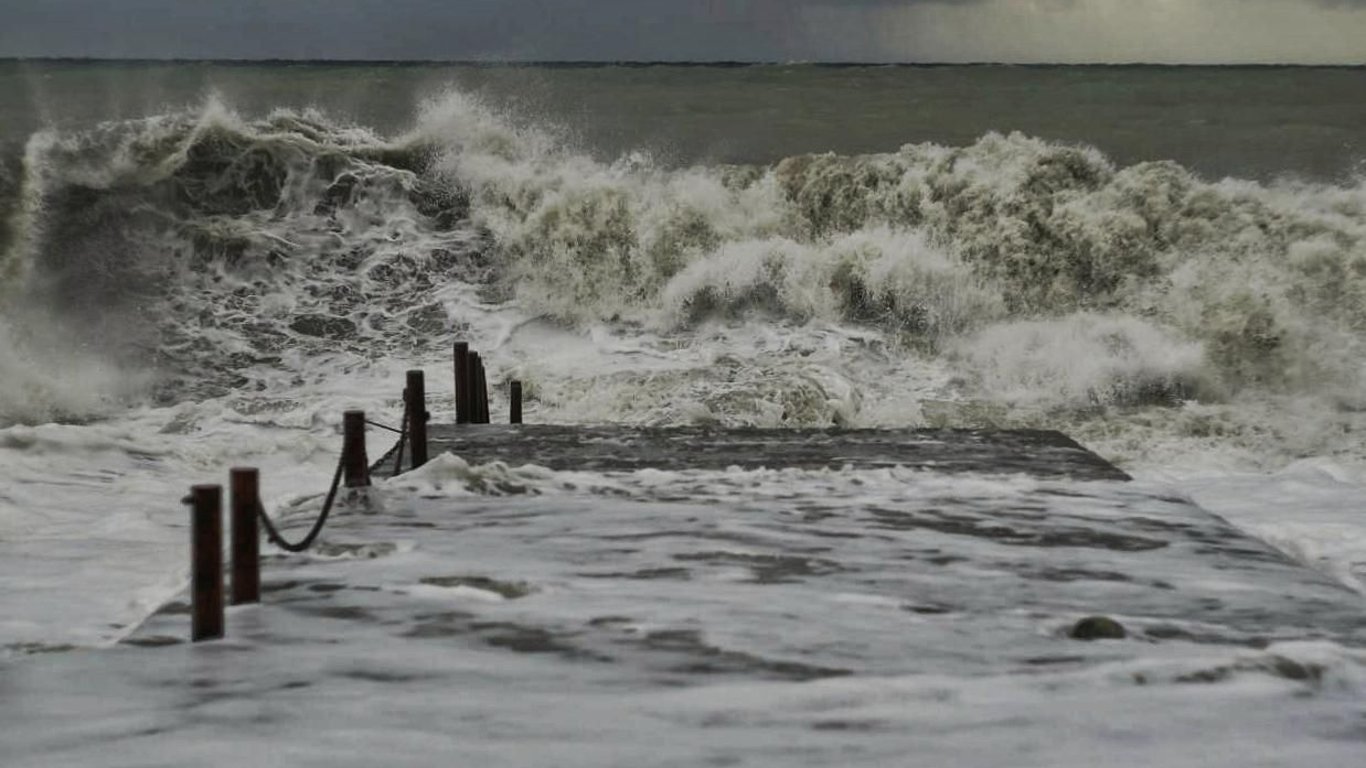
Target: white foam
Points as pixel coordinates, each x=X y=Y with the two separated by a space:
x=1085 y=360
x=1164 y=320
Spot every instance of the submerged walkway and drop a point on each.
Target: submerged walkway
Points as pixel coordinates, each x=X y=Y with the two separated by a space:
x=904 y=612
x=628 y=449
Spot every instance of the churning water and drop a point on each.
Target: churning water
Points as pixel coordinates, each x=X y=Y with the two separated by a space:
x=203 y=265
x=1001 y=279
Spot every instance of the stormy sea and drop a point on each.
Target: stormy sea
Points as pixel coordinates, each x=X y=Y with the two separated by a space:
x=204 y=265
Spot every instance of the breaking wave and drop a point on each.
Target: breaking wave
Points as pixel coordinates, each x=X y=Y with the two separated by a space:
x=229 y=254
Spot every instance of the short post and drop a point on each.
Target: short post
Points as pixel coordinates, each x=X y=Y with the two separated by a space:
x=462 y=382
x=246 y=540
x=515 y=409
x=355 y=462
x=417 y=417
x=206 y=562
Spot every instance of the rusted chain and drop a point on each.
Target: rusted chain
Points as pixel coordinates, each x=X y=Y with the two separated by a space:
x=273 y=534
x=307 y=541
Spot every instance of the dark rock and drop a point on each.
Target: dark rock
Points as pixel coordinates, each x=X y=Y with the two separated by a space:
x=510 y=590
x=1097 y=628
x=152 y=641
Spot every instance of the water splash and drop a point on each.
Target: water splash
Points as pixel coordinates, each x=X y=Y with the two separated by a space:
x=1011 y=276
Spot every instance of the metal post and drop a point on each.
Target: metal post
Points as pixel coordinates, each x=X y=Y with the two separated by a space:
x=417 y=417
x=462 y=382
x=476 y=404
x=483 y=394
x=246 y=540
x=356 y=462
x=515 y=410
x=206 y=562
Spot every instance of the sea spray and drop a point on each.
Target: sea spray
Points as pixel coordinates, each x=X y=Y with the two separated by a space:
x=208 y=247
x=20 y=213
x=880 y=277
x=44 y=378
x=1012 y=276
x=1085 y=360
x=1264 y=280
x=47 y=373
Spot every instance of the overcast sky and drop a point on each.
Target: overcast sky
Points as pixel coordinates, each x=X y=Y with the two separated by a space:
x=1195 y=31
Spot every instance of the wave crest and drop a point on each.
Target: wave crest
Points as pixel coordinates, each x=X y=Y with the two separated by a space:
x=225 y=251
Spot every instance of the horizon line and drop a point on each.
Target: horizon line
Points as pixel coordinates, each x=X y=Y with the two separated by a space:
x=607 y=63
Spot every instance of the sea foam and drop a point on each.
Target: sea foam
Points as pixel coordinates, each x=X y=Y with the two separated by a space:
x=228 y=254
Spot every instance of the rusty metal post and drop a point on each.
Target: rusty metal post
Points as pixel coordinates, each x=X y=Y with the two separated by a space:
x=476 y=407
x=206 y=562
x=515 y=410
x=483 y=394
x=246 y=539
x=355 y=460
x=462 y=382
x=417 y=417
x=482 y=387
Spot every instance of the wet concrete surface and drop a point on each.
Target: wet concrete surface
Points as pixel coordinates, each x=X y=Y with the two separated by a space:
x=1039 y=453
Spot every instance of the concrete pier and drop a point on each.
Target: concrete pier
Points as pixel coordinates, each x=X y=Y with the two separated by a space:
x=617 y=448
x=542 y=587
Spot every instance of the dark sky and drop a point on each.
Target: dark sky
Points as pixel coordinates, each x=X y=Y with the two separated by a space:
x=1200 y=31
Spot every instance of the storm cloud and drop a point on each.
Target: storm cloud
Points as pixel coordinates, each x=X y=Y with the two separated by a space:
x=1201 y=31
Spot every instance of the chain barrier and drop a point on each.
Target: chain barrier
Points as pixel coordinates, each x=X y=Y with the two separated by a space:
x=273 y=533
x=307 y=541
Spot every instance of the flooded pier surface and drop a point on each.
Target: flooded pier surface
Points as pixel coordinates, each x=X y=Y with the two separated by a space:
x=1038 y=453
x=609 y=596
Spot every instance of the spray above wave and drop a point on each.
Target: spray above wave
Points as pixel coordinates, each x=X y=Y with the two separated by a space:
x=936 y=242
x=213 y=248
x=235 y=254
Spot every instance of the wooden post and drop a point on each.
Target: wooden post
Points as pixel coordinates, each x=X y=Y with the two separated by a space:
x=417 y=417
x=355 y=460
x=206 y=562
x=462 y=382
x=246 y=539
x=515 y=410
